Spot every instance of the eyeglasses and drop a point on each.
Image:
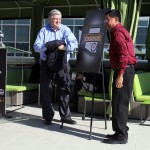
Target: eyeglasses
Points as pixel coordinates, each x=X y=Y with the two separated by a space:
x=106 y=20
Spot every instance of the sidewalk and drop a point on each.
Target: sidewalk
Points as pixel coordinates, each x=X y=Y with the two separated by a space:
x=26 y=131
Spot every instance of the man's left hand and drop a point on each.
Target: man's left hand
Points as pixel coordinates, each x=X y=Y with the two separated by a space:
x=119 y=81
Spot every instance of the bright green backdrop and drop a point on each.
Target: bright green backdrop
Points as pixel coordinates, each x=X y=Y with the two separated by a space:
x=130 y=10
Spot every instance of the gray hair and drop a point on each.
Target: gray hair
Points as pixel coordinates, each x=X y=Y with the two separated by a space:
x=54 y=12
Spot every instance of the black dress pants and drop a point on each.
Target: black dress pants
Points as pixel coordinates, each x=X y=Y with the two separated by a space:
x=61 y=79
x=120 y=101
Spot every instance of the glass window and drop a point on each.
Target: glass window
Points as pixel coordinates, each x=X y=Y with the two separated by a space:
x=46 y=21
x=79 y=21
x=71 y=27
x=9 y=32
x=9 y=53
x=78 y=32
x=141 y=35
x=9 y=44
x=23 y=21
x=8 y=21
x=143 y=23
x=17 y=32
x=22 y=46
x=22 y=34
x=107 y=38
x=67 y=21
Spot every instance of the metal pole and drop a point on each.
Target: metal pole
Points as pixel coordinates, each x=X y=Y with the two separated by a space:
x=92 y=108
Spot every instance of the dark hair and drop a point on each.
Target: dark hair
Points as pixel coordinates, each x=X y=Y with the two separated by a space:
x=114 y=13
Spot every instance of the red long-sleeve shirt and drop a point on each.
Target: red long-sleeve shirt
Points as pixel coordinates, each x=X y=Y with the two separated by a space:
x=121 y=50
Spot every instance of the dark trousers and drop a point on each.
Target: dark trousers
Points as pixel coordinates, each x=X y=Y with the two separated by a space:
x=120 y=101
x=61 y=79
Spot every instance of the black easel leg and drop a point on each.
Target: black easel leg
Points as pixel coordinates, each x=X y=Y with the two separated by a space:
x=105 y=115
x=104 y=98
x=92 y=109
x=61 y=127
x=5 y=116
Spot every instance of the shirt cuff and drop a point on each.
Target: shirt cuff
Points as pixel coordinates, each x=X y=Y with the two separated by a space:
x=121 y=71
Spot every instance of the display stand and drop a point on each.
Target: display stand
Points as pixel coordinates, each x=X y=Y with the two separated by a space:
x=3 y=77
x=93 y=93
x=90 y=53
x=3 y=71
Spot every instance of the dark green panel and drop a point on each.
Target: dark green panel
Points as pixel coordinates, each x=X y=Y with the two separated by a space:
x=77 y=8
x=57 y=3
x=26 y=13
x=15 y=13
x=24 y=4
x=82 y=12
x=72 y=12
x=8 y=5
x=64 y=11
x=145 y=10
x=83 y=2
x=145 y=1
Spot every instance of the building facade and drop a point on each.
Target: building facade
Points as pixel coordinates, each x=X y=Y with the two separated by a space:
x=17 y=35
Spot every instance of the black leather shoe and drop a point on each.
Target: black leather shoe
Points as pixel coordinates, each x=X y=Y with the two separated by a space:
x=116 y=135
x=116 y=141
x=48 y=122
x=68 y=121
x=112 y=135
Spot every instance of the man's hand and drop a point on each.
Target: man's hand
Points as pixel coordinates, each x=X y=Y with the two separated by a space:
x=62 y=48
x=119 y=81
x=80 y=76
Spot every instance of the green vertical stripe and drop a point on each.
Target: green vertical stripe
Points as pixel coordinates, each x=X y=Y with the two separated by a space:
x=130 y=10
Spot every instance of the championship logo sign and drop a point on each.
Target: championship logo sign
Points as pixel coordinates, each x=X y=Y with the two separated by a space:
x=90 y=52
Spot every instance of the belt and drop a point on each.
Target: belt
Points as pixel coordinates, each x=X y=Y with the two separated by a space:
x=127 y=66
x=130 y=65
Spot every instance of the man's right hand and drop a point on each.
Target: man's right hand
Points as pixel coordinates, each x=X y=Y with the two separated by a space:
x=62 y=48
x=119 y=81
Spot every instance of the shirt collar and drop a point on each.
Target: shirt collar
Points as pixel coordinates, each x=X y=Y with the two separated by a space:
x=116 y=27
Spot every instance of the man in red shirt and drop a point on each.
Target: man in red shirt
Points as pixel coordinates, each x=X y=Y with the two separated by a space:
x=123 y=60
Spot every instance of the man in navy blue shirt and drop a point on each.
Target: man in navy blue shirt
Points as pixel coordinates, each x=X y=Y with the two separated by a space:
x=54 y=30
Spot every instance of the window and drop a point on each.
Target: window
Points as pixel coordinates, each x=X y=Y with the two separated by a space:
x=67 y=22
x=140 y=43
x=22 y=33
x=9 y=33
x=17 y=33
x=23 y=21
